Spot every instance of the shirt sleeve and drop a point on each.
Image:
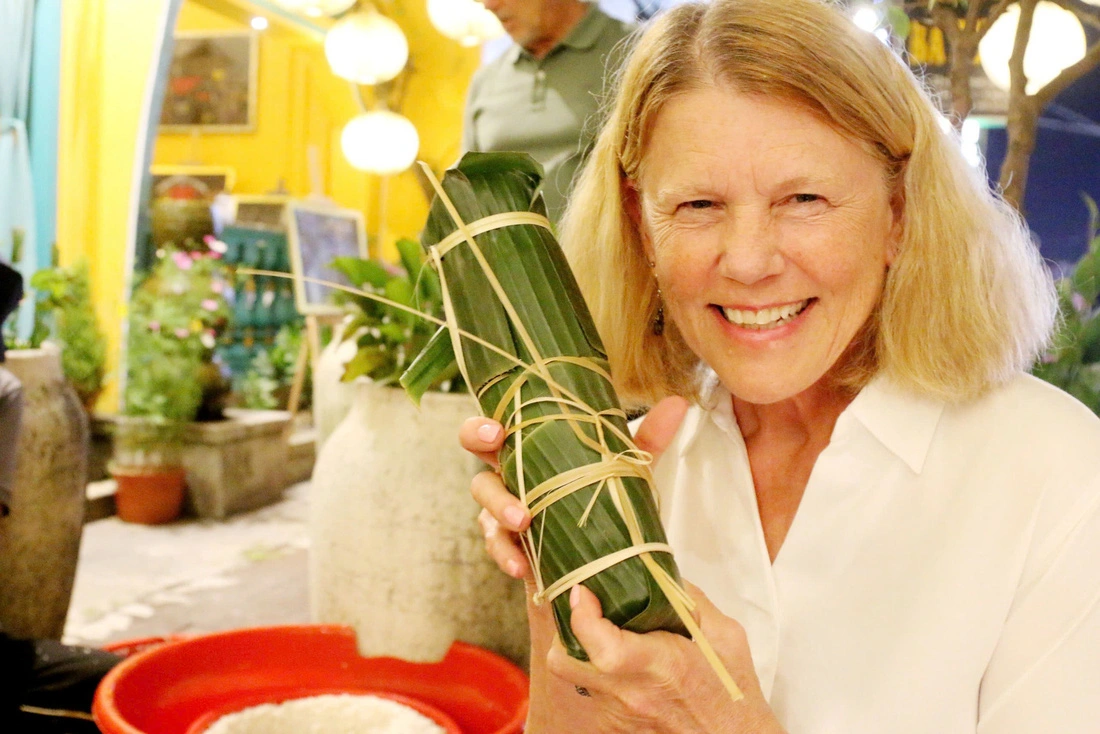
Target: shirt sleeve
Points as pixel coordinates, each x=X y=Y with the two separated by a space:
x=1044 y=675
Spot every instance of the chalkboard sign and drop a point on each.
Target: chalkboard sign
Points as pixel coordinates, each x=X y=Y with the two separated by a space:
x=320 y=233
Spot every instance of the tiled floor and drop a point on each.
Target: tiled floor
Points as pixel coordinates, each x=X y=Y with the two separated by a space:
x=192 y=576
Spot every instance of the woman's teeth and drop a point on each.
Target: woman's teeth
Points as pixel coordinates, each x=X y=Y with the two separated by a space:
x=765 y=318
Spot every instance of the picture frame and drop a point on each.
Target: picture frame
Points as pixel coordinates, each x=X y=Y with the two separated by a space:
x=212 y=82
x=318 y=233
x=209 y=180
x=261 y=211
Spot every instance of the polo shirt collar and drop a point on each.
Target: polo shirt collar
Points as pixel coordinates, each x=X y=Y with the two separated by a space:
x=901 y=421
x=583 y=36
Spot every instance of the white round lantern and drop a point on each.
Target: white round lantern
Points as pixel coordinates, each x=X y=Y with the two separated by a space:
x=380 y=142
x=316 y=8
x=1057 y=40
x=466 y=21
x=366 y=48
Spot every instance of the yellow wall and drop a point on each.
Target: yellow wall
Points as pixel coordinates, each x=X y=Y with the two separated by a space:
x=301 y=103
x=107 y=53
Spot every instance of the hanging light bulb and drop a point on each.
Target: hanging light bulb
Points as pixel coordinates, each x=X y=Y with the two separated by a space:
x=1057 y=40
x=380 y=142
x=366 y=48
x=466 y=21
x=316 y=8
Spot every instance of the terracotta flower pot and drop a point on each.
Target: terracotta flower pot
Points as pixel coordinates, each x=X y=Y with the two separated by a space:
x=149 y=495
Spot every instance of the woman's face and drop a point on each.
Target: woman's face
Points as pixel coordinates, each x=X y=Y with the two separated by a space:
x=770 y=233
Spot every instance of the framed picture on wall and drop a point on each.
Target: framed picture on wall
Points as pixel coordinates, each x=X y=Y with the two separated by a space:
x=267 y=211
x=211 y=85
x=319 y=233
x=206 y=181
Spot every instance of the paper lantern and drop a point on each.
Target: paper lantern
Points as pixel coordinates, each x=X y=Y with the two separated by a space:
x=466 y=21
x=316 y=8
x=380 y=142
x=1057 y=40
x=366 y=48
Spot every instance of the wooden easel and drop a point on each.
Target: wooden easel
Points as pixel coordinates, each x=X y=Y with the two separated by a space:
x=310 y=348
x=309 y=351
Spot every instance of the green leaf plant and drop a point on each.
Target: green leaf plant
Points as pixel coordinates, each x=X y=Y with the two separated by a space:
x=1073 y=361
x=389 y=339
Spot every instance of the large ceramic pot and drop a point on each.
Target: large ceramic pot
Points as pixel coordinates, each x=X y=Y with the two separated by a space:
x=42 y=534
x=396 y=551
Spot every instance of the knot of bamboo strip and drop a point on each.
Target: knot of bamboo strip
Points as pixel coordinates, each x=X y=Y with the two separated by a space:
x=607 y=474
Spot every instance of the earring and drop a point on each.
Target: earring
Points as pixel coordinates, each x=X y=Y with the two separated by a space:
x=659 y=319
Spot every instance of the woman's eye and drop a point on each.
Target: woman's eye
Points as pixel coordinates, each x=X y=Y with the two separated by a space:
x=805 y=198
x=699 y=204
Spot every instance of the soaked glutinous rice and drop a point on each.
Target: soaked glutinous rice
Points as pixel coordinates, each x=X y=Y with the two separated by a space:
x=341 y=713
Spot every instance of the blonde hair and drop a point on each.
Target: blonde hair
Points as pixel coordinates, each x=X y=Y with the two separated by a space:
x=967 y=301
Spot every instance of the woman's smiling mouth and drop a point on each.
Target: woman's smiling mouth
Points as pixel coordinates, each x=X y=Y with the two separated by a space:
x=764 y=318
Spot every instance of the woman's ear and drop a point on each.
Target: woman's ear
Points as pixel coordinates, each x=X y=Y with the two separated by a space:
x=632 y=203
x=897 y=227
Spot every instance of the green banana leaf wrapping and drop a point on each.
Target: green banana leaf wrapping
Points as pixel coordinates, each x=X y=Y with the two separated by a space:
x=530 y=268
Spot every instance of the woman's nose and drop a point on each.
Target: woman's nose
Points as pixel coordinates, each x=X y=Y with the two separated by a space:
x=750 y=249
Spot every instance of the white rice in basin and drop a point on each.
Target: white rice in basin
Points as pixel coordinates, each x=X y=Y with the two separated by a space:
x=340 y=713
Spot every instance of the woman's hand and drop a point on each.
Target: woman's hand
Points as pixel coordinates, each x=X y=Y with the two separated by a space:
x=659 y=681
x=503 y=516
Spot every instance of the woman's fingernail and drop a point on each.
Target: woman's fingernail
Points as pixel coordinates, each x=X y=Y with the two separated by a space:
x=574 y=597
x=514 y=516
x=488 y=432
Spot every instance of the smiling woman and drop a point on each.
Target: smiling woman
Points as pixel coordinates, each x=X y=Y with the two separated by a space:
x=770 y=244
x=774 y=225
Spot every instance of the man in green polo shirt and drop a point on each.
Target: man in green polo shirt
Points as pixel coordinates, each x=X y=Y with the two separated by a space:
x=543 y=94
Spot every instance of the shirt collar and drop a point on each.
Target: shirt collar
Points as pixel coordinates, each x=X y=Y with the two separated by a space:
x=582 y=37
x=903 y=422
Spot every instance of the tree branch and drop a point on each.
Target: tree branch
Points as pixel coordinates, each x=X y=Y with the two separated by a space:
x=996 y=12
x=1018 y=85
x=1069 y=75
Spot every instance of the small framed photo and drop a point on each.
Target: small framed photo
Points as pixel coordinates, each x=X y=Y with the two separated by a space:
x=201 y=181
x=261 y=212
x=212 y=81
x=319 y=233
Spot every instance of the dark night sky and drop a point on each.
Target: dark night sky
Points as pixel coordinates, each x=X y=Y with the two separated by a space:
x=1063 y=166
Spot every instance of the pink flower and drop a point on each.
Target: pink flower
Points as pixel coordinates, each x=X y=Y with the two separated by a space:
x=182 y=333
x=217 y=286
x=214 y=255
x=196 y=255
x=154 y=326
x=1080 y=303
x=210 y=304
x=181 y=260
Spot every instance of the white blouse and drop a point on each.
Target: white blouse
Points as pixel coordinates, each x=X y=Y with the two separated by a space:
x=941 y=576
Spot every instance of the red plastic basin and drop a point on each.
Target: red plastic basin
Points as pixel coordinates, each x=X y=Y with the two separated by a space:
x=166 y=688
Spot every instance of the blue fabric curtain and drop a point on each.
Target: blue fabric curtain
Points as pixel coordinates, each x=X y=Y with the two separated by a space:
x=16 y=186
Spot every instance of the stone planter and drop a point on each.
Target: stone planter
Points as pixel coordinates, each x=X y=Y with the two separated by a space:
x=42 y=534
x=236 y=464
x=396 y=551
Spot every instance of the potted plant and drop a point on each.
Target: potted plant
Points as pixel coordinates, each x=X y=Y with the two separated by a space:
x=64 y=314
x=175 y=316
x=1073 y=362
x=390 y=519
